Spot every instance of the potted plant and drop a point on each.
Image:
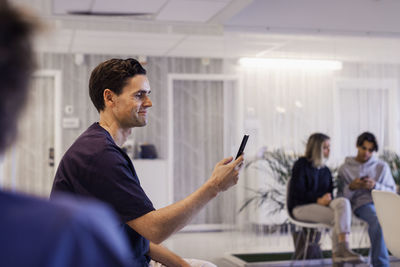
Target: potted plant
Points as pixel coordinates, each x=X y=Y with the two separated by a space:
x=276 y=168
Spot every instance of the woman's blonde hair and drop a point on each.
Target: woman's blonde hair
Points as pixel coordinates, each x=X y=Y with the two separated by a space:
x=314 y=148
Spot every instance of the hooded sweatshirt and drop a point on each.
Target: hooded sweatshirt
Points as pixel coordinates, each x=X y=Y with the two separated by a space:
x=375 y=168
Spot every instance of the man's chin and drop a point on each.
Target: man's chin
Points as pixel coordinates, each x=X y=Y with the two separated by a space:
x=366 y=159
x=140 y=124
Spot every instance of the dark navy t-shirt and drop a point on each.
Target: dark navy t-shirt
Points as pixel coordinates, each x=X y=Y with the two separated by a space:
x=63 y=233
x=95 y=166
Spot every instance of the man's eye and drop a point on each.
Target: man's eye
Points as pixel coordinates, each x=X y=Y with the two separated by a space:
x=142 y=94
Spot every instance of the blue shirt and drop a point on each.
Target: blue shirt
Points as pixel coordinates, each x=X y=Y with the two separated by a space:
x=94 y=166
x=63 y=233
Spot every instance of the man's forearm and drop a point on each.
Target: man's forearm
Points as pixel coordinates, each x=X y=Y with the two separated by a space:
x=166 y=257
x=158 y=225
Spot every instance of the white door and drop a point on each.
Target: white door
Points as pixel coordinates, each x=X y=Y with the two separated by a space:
x=204 y=115
x=28 y=165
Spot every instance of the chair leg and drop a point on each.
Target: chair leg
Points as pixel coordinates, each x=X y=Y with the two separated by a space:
x=294 y=258
x=321 y=255
x=295 y=247
x=307 y=244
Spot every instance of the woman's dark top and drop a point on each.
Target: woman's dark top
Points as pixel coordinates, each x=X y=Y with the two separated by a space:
x=308 y=183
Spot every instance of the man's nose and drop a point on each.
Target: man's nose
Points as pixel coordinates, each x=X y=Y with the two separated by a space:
x=148 y=102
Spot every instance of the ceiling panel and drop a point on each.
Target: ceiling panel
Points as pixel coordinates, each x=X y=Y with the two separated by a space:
x=191 y=10
x=107 y=6
x=65 y=7
x=128 y=6
x=55 y=41
x=316 y=16
x=229 y=45
x=123 y=42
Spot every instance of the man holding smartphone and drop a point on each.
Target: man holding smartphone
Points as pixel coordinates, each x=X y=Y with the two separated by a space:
x=96 y=166
x=357 y=177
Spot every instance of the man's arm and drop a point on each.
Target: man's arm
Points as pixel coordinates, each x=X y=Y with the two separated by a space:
x=158 y=225
x=385 y=181
x=344 y=185
x=166 y=257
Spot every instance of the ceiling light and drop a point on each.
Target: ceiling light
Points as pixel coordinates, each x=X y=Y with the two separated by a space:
x=280 y=109
x=298 y=104
x=281 y=63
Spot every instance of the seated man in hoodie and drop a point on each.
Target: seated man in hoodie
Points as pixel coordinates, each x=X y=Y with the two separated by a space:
x=357 y=177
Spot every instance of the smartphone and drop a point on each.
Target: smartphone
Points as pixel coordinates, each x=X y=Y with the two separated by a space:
x=242 y=145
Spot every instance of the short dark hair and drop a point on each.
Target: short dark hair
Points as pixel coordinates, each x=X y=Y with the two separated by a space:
x=367 y=136
x=16 y=66
x=112 y=74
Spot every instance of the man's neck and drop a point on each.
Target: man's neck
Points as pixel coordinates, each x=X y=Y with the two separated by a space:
x=118 y=134
x=359 y=159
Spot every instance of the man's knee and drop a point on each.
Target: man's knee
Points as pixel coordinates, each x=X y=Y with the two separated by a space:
x=369 y=215
x=342 y=203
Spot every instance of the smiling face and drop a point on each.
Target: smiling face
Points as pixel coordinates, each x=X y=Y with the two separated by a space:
x=130 y=107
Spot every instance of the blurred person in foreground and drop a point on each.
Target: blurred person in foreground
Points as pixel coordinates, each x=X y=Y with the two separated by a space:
x=33 y=231
x=311 y=199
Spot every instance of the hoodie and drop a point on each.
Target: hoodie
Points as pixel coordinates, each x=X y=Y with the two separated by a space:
x=374 y=168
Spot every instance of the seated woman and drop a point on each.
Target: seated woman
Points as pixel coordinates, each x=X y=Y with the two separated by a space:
x=310 y=197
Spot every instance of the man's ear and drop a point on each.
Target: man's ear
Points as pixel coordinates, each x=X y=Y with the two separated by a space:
x=108 y=97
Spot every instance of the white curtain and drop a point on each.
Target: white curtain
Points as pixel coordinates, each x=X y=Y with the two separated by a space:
x=363 y=110
x=289 y=105
x=285 y=106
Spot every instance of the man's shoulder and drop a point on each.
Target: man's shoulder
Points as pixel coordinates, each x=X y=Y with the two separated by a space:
x=60 y=227
x=344 y=170
x=95 y=141
x=348 y=161
x=342 y=167
x=381 y=163
x=94 y=135
x=62 y=208
x=64 y=215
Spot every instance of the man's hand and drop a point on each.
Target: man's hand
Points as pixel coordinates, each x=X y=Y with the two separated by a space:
x=226 y=173
x=356 y=184
x=369 y=183
x=364 y=183
x=161 y=254
x=325 y=199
